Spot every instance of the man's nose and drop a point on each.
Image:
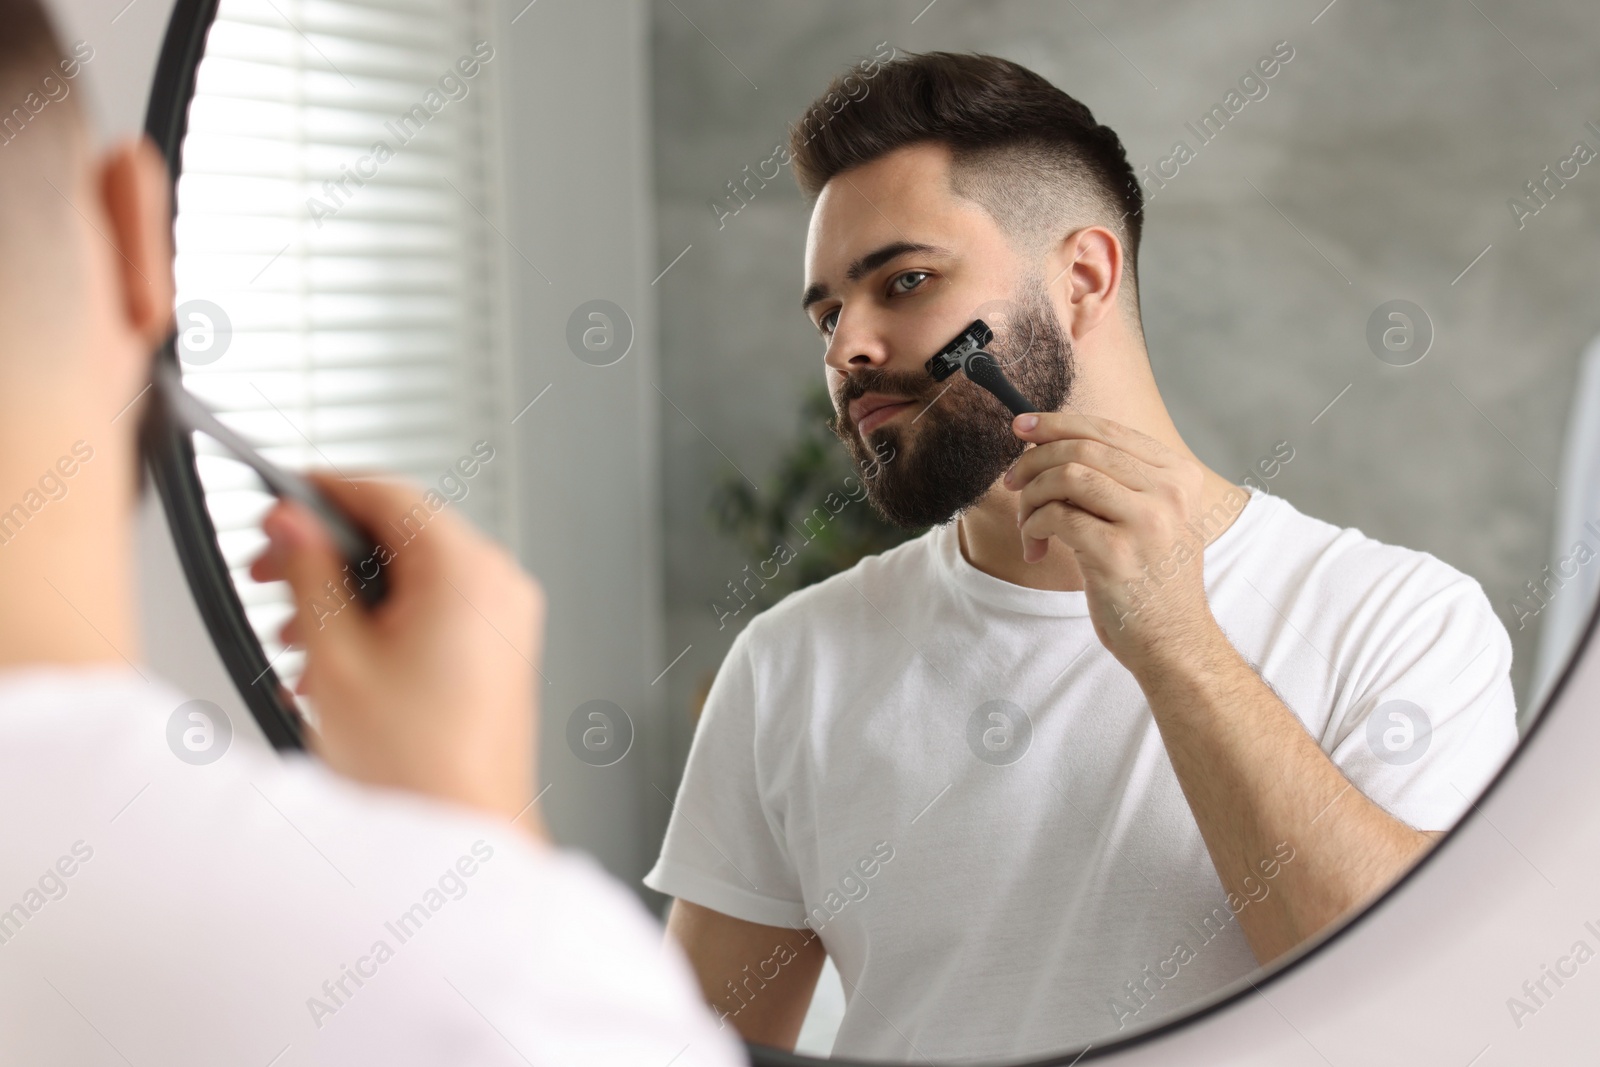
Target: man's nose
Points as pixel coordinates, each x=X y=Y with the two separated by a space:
x=856 y=346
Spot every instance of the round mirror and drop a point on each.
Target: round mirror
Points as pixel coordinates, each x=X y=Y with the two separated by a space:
x=919 y=762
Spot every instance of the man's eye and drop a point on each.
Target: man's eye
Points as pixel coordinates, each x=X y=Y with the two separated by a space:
x=828 y=321
x=904 y=283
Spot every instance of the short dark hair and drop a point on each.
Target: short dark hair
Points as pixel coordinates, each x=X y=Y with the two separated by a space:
x=34 y=92
x=41 y=152
x=29 y=48
x=34 y=74
x=1024 y=149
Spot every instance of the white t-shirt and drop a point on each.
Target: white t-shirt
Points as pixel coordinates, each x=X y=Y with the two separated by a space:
x=256 y=910
x=851 y=773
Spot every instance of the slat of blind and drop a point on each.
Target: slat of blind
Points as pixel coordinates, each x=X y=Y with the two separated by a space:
x=365 y=31
x=217 y=192
x=429 y=10
x=330 y=272
x=389 y=393
x=401 y=351
x=352 y=348
x=337 y=34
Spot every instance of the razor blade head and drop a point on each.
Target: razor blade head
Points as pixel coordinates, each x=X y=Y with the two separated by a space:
x=953 y=356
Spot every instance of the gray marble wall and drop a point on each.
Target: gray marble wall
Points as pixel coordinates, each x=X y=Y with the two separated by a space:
x=1378 y=166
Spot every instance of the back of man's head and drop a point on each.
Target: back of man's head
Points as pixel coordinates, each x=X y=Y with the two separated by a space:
x=42 y=151
x=29 y=48
x=1031 y=155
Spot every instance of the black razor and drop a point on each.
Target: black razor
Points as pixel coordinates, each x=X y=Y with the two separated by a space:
x=967 y=353
x=354 y=546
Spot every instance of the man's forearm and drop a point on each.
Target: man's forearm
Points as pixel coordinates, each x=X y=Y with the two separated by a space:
x=731 y=958
x=1256 y=783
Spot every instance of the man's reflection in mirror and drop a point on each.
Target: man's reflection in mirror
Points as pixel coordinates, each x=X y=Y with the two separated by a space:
x=1116 y=730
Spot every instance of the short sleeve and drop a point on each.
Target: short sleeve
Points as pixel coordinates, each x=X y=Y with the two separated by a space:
x=1434 y=715
x=723 y=850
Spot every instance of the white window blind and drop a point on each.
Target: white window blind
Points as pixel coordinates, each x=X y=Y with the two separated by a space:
x=361 y=282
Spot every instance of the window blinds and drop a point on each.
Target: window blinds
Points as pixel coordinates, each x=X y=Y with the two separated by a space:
x=338 y=272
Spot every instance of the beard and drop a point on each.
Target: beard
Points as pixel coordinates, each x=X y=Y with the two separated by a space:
x=931 y=469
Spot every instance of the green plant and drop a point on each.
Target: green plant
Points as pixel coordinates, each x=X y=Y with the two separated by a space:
x=814 y=466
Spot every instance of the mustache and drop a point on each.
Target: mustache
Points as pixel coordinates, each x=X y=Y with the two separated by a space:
x=878 y=380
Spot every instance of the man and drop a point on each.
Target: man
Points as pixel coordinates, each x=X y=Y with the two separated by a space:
x=1114 y=731
x=157 y=908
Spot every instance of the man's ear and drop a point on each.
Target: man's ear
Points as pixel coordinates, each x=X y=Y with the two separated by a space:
x=1088 y=262
x=136 y=193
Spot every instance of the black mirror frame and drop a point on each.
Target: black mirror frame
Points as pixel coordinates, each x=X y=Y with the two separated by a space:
x=170 y=454
x=169 y=451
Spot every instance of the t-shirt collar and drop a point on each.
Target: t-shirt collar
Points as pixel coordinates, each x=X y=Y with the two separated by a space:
x=1007 y=596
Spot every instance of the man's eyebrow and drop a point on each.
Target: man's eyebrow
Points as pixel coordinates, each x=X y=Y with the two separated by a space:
x=869 y=263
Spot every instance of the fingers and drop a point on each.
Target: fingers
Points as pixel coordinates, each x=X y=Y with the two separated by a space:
x=1107 y=459
x=1077 y=488
x=1082 y=486
x=1078 y=529
x=1064 y=425
x=433 y=559
x=303 y=554
x=397 y=515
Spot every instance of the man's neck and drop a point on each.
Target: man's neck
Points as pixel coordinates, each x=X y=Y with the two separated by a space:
x=66 y=572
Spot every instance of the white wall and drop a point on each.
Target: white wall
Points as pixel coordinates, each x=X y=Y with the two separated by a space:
x=579 y=209
x=126 y=42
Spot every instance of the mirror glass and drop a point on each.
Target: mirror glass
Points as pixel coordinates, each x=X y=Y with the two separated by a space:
x=336 y=297
x=938 y=768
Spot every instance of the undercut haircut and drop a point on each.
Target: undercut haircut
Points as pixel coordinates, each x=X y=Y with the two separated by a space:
x=1028 y=153
x=40 y=128
x=30 y=58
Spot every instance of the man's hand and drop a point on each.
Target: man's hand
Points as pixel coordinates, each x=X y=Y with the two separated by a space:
x=1126 y=505
x=1130 y=509
x=433 y=690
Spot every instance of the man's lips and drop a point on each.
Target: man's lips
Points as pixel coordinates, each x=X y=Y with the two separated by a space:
x=874 y=409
